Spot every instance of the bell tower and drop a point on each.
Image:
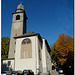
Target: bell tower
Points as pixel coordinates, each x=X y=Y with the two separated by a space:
x=18 y=28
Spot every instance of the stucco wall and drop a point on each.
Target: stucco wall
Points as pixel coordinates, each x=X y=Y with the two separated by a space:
x=27 y=63
x=38 y=62
x=46 y=58
x=40 y=56
x=44 y=65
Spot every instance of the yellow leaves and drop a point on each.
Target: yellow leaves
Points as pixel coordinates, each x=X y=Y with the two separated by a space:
x=64 y=44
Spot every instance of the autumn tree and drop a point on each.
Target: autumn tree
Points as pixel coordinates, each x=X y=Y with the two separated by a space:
x=64 y=49
x=4 y=48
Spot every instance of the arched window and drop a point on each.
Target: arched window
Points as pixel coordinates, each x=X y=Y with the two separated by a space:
x=18 y=17
x=26 y=49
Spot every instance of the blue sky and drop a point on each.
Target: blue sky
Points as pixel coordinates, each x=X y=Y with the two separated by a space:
x=47 y=17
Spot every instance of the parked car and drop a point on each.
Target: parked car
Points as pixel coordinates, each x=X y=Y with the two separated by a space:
x=25 y=72
x=31 y=72
x=28 y=72
x=60 y=70
x=5 y=72
x=19 y=72
x=14 y=73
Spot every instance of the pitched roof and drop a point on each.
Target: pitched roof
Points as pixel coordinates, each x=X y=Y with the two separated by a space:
x=27 y=35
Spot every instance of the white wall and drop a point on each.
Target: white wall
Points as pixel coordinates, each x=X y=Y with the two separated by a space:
x=29 y=63
x=46 y=58
x=34 y=63
x=40 y=56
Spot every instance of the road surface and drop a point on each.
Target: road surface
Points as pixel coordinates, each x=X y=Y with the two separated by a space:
x=56 y=73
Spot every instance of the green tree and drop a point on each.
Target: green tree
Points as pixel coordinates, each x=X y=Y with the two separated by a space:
x=4 y=48
x=53 y=54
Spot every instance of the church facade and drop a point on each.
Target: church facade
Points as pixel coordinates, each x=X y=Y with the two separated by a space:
x=28 y=51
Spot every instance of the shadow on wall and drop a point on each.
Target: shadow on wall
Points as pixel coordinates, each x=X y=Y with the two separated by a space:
x=5 y=67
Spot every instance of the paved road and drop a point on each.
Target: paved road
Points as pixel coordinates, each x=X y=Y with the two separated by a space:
x=56 y=73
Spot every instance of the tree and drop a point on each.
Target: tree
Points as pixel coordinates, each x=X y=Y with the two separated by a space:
x=4 y=48
x=64 y=49
x=53 y=54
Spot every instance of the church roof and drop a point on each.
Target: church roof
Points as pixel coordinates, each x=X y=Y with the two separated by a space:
x=20 y=6
x=27 y=34
x=33 y=34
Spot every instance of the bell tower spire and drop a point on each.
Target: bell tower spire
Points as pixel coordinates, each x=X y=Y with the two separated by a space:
x=18 y=27
x=21 y=2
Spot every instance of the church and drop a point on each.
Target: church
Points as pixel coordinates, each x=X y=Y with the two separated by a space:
x=28 y=50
